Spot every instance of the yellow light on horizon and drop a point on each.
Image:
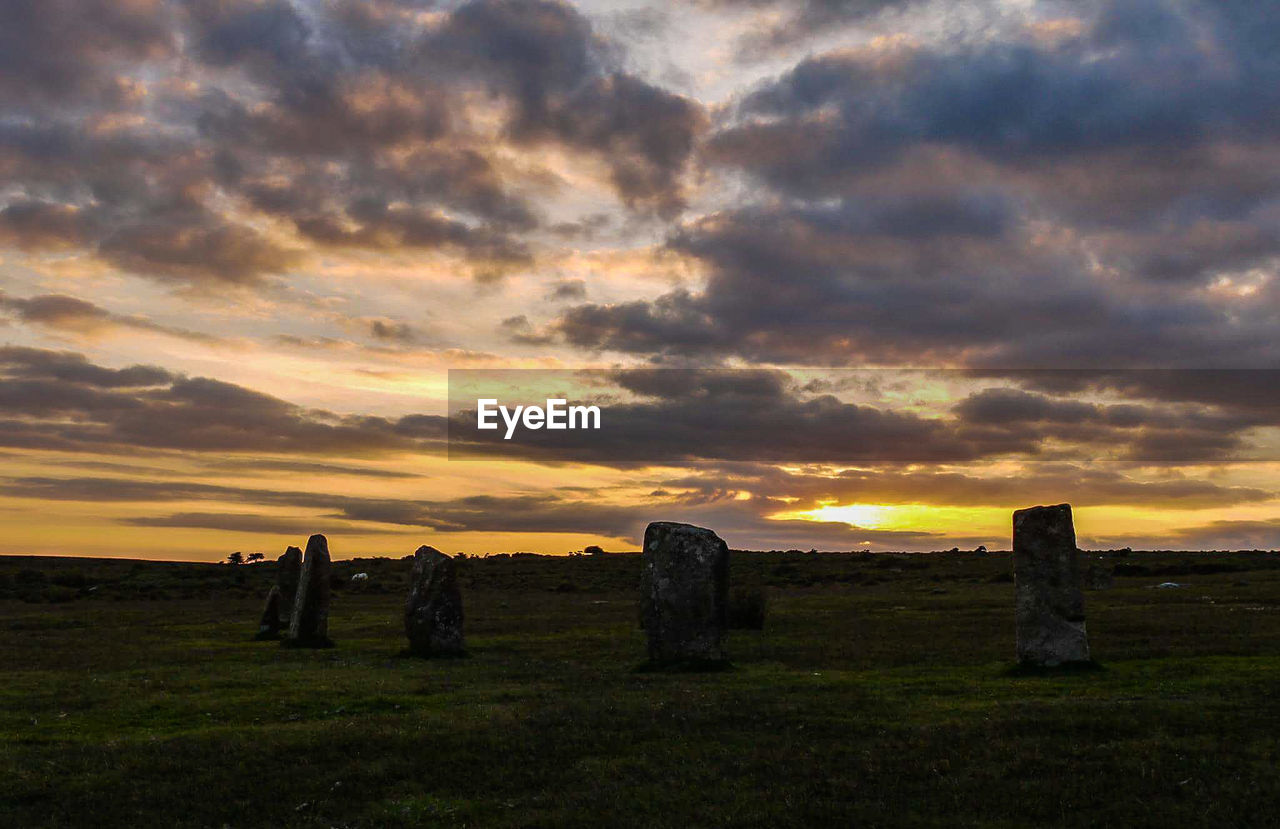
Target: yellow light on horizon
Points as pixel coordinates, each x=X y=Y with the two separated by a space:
x=918 y=517
x=868 y=516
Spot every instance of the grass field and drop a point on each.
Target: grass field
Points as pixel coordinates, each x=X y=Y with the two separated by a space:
x=880 y=693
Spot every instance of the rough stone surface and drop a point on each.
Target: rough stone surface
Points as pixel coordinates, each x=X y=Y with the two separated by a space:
x=433 y=611
x=1050 y=605
x=309 y=624
x=269 y=624
x=684 y=593
x=288 y=568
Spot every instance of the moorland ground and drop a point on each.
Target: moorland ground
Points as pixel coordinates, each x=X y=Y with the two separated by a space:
x=879 y=693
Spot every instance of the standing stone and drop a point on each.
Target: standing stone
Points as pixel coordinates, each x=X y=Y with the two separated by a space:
x=309 y=624
x=1100 y=576
x=269 y=624
x=684 y=593
x=1050 y=606
x=288 y=568
x=433 y=611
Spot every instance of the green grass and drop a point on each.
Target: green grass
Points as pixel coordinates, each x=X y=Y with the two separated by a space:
x=879 y=693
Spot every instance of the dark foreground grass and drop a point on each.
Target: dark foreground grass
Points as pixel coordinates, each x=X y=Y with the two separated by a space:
x=877 y=694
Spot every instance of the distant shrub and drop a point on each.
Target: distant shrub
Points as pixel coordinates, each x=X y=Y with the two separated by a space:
x=1206 y=568
x=73 y=578
x=50 y=594
x=593 y=550
x=785 y=570
x=747 y=608
x=29 y=577
x=55 y=594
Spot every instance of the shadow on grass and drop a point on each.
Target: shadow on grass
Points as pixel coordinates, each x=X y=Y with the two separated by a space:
x=308 y=643
x=1065 y=669
x=685 y=666
x=406 y=653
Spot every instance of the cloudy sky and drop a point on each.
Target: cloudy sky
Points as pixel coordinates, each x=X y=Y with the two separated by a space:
x=242 y=243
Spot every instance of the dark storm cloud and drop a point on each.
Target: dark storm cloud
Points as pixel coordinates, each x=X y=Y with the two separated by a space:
x=74 y=315
x=568 y=289
x=35 y=225
x=235 y=32
x=1132 y=79
x=230 y=522
x=69 y=48
x=1214 y=535
x=1218 y=425
x=267 y=466
x=824 y=285
x=709 y=496
x=381 y=226
x=546 y=512
x=543 y=57
x=535 y=513
x=1082 y=485
x=400 y=332
x=59 y=400
x=1253 y=393
x=660 y=416
x=191 y=252
x=565 y=86
x=142 y=131
x=646 y=134
x=756 y=415
x=801 y=19
x=1234 y=535
x=1014 y=201
x=73 y=369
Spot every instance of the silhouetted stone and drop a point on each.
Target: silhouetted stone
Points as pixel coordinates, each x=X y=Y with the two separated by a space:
x=1100 y=576
x=309 y=624
x=269 y=624
x=288 y=568
x=1050 y=606
x=747 y=608
x=433 y=611
x=684 y=593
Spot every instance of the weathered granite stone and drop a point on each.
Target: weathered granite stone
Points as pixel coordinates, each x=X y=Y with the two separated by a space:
x=269 y=624
x=684 y=593
x=1050 y=606
x=309 y=624
x=288 y=568
x=433 y=611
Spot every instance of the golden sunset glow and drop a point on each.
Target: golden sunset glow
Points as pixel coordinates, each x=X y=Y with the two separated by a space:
x=236 y=272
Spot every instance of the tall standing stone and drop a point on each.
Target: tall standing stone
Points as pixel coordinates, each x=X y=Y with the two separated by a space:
x=1050 y=605
x=684 y=593
x=309 y=624
x=1100 y=576
x=433 y=611
x=288 y=568
x=269 y=624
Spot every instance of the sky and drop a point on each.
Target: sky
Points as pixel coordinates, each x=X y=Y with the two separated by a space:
x=244 y=242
